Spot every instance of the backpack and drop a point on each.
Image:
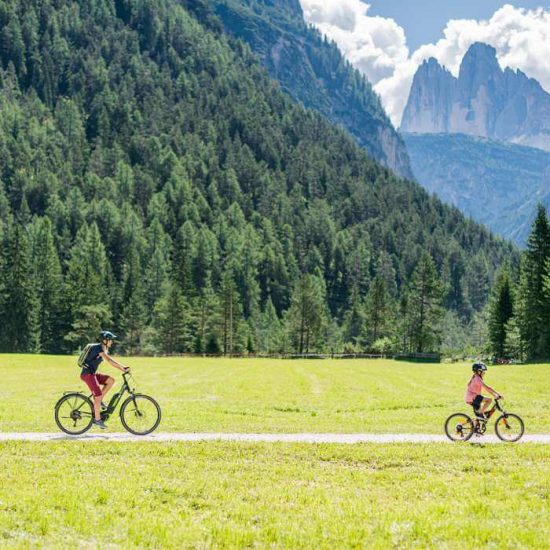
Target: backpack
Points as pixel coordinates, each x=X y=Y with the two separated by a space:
x=84 y=355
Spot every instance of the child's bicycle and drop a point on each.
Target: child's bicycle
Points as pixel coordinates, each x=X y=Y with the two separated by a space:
x=508 y=427
x=139 y=414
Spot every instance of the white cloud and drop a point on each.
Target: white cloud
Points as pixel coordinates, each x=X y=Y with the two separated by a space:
x=377 y=45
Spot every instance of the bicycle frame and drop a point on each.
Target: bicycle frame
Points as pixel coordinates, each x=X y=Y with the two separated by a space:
x=496 y=407
x=115 y=400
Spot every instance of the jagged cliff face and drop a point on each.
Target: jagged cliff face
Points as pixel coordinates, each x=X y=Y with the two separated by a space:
x=314 y=72
x=483 y=101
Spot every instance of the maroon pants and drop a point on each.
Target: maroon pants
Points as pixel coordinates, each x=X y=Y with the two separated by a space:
x=93 y=381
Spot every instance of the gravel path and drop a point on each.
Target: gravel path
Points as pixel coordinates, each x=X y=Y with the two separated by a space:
x=261 y=437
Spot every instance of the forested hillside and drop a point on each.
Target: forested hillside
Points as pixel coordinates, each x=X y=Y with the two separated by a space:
x=497 y=183
x=156 y=181
x=313 y=71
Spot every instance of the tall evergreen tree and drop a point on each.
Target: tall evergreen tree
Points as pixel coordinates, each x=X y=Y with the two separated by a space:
x=172 y=321
x=48 y=284
x=207 y=330
x=423 y=307
x=532 y=324
x=87 y=287
x=380 y=310
x=133 y=316
x=307 y=315
x=501 y=310
x=19 y=303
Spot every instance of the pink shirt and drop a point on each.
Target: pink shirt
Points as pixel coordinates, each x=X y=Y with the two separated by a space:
x=474 y=388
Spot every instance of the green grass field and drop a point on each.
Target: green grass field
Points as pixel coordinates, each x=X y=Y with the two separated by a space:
x=240 y=395
x=66 y=494
x=235 y=495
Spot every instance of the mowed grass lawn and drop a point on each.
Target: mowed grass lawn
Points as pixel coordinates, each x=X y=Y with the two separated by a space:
x=66 y=494
x=270 y=395
x=232 y=495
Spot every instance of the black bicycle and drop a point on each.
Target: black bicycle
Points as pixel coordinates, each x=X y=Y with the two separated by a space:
x=139 y=413
x=508 y=426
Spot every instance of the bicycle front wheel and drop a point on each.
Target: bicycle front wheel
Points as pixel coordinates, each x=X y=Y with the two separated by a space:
x=74 y=414
x=459 y=427
x=509 y=427
x=140 y=414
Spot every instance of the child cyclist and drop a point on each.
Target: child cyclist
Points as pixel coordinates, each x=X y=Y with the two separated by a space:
x=96 y=354
x=475 y=387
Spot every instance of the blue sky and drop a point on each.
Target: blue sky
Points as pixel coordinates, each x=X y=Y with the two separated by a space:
x=424 y=20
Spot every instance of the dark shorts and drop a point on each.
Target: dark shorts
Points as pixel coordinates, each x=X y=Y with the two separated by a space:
x=476 y=403
x=93 y=381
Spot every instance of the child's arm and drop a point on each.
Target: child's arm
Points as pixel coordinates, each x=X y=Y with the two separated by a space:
x=493 y=392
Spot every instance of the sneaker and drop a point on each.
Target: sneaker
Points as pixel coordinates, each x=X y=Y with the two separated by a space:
x=100 y=424
x=104 y=407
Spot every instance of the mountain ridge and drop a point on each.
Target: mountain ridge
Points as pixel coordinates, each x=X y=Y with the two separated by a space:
x=497 y=183
x=313 y=71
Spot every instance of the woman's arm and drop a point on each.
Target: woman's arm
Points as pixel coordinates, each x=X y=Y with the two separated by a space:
x=113 y=363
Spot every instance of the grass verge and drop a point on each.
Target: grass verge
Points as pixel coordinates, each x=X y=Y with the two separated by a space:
x=216 y=494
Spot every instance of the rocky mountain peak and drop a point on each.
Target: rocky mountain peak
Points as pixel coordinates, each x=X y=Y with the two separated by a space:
x=483 y=101
x=479 y=53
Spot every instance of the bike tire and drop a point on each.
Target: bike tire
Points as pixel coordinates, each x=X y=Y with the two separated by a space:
x=451 y=427
x=86 y=415
x=125 y=417
x=500 y=430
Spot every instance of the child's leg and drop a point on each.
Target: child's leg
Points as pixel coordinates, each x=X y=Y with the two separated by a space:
x=485 y=404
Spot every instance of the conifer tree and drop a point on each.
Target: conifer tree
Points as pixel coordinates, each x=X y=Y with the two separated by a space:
x=423 y=309
x=268 y=329
x=48 y=284
x=379 y=310
x=307 y=315
x=206 y=306
x=172 y=321
x=355 y=321
x=19 y=303
x=534 y=271
x=87 y=287
x=501 y=310
x=157 y=264
x=132 y=317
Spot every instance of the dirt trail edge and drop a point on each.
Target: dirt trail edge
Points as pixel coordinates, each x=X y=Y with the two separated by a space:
x=261 y=437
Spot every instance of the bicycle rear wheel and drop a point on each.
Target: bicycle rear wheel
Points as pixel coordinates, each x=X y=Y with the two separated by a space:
x=74 y=414
x=140 y=414
x=459 y=427
x=509 y=427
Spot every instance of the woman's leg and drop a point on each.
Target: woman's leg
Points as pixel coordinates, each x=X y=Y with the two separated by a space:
x=92 y=383
x=97 y=407
x=107 y=386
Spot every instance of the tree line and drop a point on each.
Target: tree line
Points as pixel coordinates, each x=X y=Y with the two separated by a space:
x=154 y=179
x=519 y=325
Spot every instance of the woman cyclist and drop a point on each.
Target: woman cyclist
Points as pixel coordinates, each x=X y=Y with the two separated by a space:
x=97 y=353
